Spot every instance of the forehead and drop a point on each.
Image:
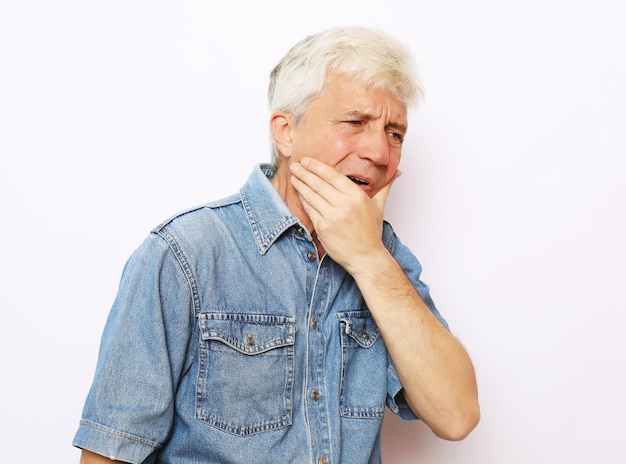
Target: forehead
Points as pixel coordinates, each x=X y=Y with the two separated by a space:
x=342 y=94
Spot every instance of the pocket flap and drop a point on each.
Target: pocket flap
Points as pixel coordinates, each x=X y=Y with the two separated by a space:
x=360 y=326
x=248 y=333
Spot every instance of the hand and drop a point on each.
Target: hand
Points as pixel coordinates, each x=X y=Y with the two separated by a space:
x=347 y=221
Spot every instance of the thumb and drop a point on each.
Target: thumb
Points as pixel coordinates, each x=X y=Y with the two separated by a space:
x=381 y=196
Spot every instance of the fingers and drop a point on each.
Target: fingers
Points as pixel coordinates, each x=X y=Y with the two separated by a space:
x=381 y=196
x=322 y=187
x=320 y=178
x=312 y=201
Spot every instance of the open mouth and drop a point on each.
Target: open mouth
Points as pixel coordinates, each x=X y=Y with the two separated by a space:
x=358 y=181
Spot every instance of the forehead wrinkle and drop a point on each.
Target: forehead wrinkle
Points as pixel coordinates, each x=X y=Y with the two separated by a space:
x=356 y=114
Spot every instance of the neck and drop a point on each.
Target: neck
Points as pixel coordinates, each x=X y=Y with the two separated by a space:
x=282 y=184
x=288 y=193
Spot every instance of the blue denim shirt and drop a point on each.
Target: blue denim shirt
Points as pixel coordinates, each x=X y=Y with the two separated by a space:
x=230 y=342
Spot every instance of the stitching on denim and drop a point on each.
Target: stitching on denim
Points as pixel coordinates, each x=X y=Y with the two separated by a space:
x=183 y=262
x=117 y=433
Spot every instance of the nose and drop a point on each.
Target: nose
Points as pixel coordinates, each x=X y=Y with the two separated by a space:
x=375 y=147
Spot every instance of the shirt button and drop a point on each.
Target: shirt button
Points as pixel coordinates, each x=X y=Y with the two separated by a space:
x=300 y=231
x=313 y=323
x=311 y=255
x=322 y=460
x=315 y=396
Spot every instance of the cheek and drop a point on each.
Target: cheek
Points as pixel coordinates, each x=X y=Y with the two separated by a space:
x=322 y=145
x=390 y=175
x=335 y=149
x=394 y=160
x=392 y=167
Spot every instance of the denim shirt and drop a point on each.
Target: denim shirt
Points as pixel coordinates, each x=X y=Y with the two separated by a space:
x=229 y=341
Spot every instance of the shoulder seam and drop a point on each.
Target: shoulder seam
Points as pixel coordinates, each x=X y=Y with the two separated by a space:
x=183 y=262
x=212 y=205
x=161 y=226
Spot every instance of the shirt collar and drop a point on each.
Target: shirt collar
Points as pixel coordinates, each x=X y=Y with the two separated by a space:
x=267 y=213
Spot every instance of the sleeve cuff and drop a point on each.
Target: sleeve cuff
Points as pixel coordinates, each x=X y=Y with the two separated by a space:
x=113 y=444
x=395 y=397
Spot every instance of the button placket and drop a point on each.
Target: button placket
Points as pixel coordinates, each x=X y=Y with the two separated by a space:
x=315 y=402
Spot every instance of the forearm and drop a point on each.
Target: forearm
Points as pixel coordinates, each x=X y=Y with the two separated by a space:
x=87 y=457
x=435 y=370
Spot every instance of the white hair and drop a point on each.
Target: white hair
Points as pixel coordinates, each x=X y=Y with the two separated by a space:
x=370 y=56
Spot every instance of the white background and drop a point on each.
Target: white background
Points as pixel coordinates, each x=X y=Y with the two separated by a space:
x=114 y=115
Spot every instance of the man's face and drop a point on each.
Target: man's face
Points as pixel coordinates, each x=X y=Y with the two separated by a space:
x=356 y=129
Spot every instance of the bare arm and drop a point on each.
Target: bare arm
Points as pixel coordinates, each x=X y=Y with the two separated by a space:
x=87 y=457
x=435 y=370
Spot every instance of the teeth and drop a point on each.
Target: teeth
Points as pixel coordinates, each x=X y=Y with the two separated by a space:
x=356 y=180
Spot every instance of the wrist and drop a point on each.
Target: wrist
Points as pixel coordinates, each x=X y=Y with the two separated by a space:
x=376 y=262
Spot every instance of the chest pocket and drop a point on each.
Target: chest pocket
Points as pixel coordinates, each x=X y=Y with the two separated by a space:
x=364 y=365
x=245 y=375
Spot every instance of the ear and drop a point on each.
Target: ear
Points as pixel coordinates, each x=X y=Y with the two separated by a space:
x=281 y=127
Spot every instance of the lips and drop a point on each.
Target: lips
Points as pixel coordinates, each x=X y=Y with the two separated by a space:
x=358 y=180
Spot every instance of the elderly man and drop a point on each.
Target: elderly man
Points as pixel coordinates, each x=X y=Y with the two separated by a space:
x=276 y=324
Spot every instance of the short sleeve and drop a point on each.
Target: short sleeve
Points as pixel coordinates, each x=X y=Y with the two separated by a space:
x=395 y=398
x=129 y=410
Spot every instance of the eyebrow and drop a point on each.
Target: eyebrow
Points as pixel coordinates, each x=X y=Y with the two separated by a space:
x=356 y=114
x=399 y=127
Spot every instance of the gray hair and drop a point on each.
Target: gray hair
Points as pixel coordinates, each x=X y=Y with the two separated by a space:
x=370 y=56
